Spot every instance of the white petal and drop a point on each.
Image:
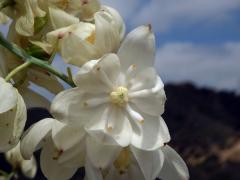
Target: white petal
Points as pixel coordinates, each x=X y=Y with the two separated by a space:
x=8 y=96
x=29 y=167
x=114 y=174
x=68 y=106
x=147 y=92
x=119 y=132
x=108 y=69
x=60 y=18
x=12 y=124
x=107 y=35
x=19 y=121
x=87 y=8
x=75 y=156
x=101 y=155
x=120 y=25
x=77 y=51
x=34 y=136
x=138 y=48
x=174 y=167
x=102 y=77
x=66 y=136
x=50 y=167
x=92 y=173
x=135 y=172
x=154 y=133
x=146 y=79
x=150 y=162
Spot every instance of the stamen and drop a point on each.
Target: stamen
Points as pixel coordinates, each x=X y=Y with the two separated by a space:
x=57 y=154
x=131 y=71
x=104 y=78
x=95 y=102
x=135 y=115
x=119 y=96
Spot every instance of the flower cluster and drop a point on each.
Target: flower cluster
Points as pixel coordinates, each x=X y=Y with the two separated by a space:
x=110 y=122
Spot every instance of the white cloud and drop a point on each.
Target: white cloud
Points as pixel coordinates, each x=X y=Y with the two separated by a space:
x=164 y=14
x=213 y=66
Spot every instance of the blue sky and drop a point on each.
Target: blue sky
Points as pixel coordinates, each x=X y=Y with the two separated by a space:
x=197 y=40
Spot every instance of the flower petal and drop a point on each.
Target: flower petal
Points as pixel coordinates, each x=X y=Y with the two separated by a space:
x=153 y=134
x=107 y=35
x=147 y=92
x=8 y=96
x=91 y=171
x=138 y=48
x=120 y=25
x=51 y=168
x=101 y=155
x=12 y=124
x=66 y=136
x=102 y=77
x=60 y=18
x=150 y=162
x=29 y=167
x=34 y=136
x=77 y=51
x=67 y=106
x=174 y=167
x=119 y=132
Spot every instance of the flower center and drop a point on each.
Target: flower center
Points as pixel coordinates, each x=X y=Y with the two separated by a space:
x=123 y=161
x=63 y=4
x=119 y=96
x=91 y=38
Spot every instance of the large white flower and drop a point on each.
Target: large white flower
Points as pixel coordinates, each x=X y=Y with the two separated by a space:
x=132 y=163
x=120 y=97
x=12 y=116
x=28 y=167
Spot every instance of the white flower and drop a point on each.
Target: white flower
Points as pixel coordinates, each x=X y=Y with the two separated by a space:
x=28 y=10
x=28 y=167
x=132 y=163
x=63 y=148
x=56 y=143
x=120 y=98
x=12 y=116
x=84 y=41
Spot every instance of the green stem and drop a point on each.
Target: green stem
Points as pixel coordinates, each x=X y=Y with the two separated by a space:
x=18 y=69
x=5 y=3
x=24 y=56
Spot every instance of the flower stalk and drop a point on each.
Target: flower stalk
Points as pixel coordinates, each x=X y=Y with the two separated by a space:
x=18 y=69
x=35 y=61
